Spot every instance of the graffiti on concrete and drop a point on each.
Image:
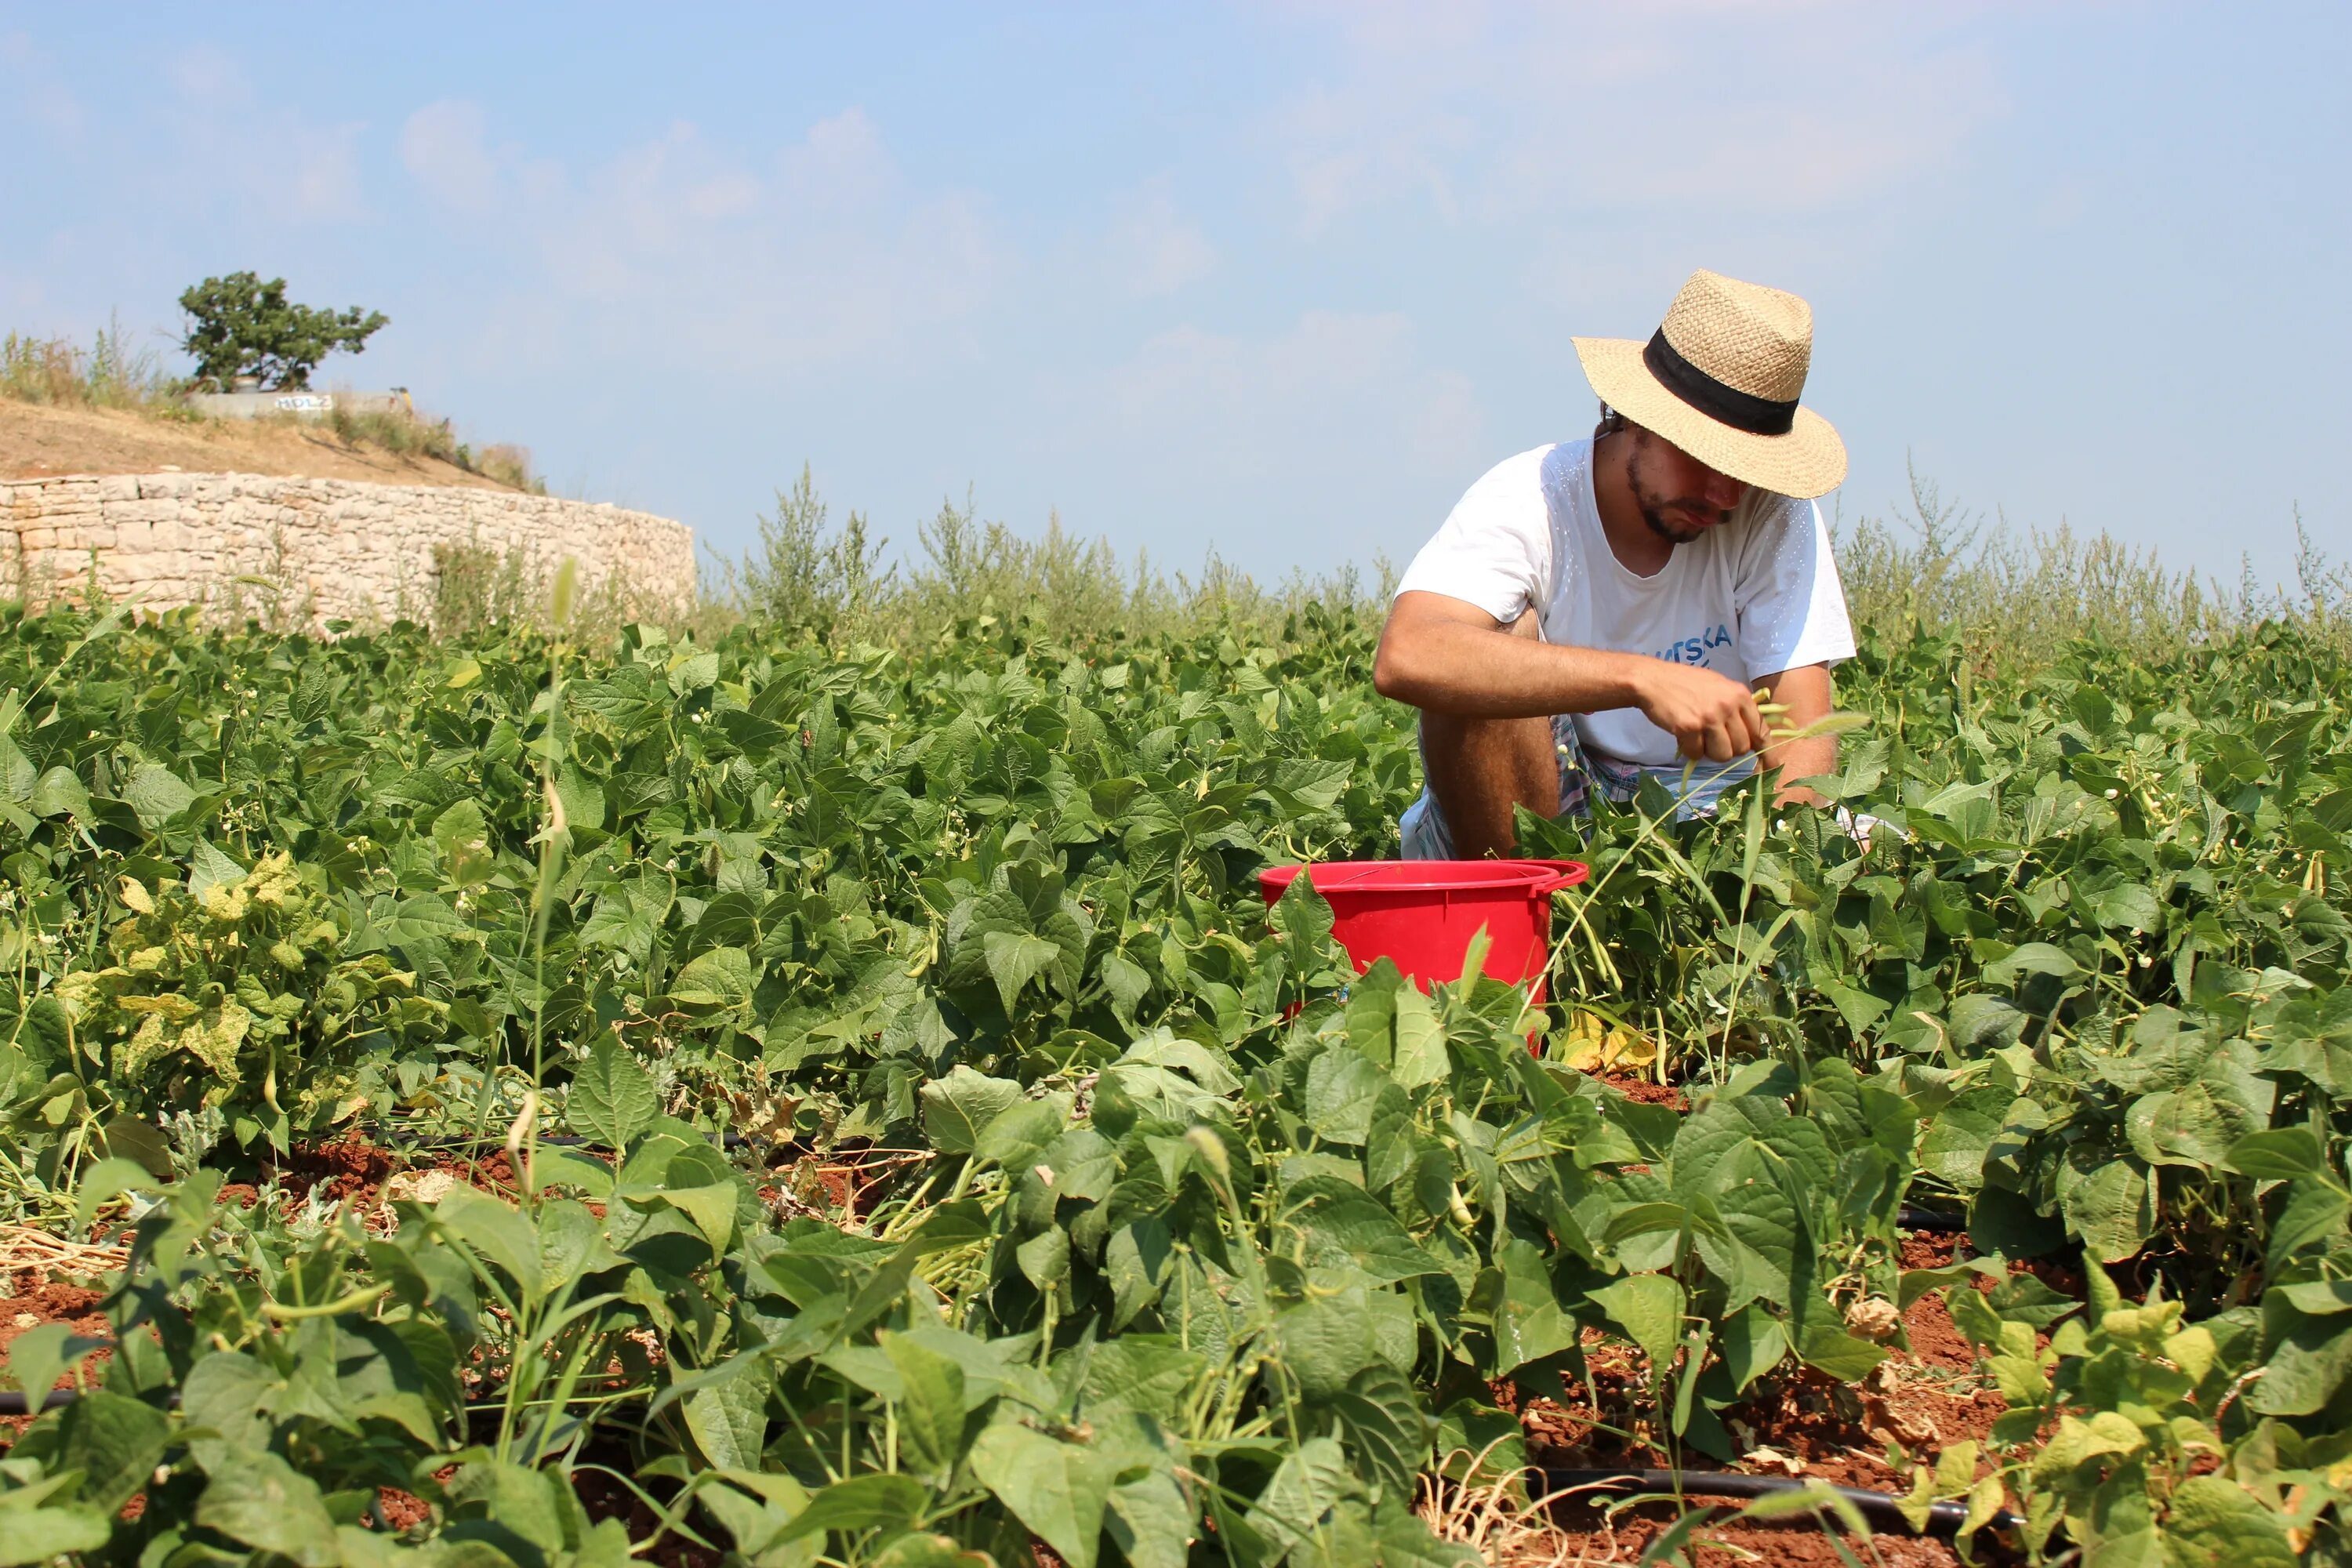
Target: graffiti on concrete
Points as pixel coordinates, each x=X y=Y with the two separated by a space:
x=298 y=404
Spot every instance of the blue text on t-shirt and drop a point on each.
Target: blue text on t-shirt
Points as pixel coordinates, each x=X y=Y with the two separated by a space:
x=1694 y=649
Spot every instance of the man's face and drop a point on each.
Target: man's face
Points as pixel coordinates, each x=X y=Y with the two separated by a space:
x=1680 y=498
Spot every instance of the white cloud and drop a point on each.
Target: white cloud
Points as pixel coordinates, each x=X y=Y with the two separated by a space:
x=273 y=162
x=441 y=146
x=208 y=78
x=840 y=161
x=325 y=176
x=683 y=256
x=1152 y=249
x=1344 y=152
x=35 y=85
x=724 y=195
x=1508 y=115
x=1327 y=389
x=1318 y=444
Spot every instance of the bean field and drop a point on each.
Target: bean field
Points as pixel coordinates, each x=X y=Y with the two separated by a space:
x=768 y=1099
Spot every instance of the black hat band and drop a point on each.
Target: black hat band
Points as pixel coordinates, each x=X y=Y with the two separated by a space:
x=1729 y=405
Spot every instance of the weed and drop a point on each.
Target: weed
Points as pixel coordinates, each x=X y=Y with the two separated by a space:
x=838 y=581
x=2018 y=602
x=477 y=588
x=406 y=435
x=109 y=373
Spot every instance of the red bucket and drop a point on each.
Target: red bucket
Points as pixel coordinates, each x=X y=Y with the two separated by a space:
x=1421 y=914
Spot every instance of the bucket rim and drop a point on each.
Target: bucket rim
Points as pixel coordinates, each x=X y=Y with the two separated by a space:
x=1330 y=877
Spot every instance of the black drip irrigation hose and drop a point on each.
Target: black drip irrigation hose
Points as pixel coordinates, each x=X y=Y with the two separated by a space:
x=18 y=1405
x=1934 y=1222
x=442 y=1143
x=1877 y=1507
x=1942 y=1222
x=395 y=1137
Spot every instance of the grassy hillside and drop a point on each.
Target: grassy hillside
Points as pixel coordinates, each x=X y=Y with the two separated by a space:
x=107 y=409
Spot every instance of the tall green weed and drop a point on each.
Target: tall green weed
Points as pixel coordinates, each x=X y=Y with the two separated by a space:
x=841 y=580
x=2018 y=601
x=109 y=373
x=2012 y=601
x=406 y=434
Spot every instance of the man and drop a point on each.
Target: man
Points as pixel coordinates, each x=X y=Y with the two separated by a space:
x=1599 y=611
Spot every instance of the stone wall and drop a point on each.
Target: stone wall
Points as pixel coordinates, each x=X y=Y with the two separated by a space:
x=303 y=551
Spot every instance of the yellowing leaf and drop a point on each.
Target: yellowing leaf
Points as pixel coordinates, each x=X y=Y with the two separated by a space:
x=213 y=1040
x=172 y=1009
x=223 y=902
x=211 y=1036
x=1593 y=1045
x=2192 y=1350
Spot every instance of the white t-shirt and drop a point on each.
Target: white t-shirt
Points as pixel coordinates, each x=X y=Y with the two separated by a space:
x=1750 y=598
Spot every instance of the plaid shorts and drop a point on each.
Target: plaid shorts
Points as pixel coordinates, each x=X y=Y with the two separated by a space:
x=1426 y=836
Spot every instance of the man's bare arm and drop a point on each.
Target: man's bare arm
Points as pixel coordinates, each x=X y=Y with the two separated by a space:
x=1809 y=695
x=1446 y=655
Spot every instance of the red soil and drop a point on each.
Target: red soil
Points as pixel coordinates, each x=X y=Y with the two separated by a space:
x=399 y=1510
x=354 y=1171
x=1590 y=1533
x=1646 y=1091
x=36 y=1301
x=1921 y=1400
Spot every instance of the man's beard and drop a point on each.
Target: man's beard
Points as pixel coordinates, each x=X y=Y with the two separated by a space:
x=1655 y=509
x=1675 y=528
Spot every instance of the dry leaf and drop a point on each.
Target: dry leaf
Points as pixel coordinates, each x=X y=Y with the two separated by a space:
x=1593 y=1045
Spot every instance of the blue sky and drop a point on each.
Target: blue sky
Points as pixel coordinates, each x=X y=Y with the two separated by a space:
x=1279 y=279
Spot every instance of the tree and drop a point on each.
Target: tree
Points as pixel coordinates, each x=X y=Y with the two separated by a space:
x=238 y=325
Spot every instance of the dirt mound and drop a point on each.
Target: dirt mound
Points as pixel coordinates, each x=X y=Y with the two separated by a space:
x=41 y=441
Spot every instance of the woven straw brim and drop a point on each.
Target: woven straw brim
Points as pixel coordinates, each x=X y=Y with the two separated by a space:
x=1809 y=461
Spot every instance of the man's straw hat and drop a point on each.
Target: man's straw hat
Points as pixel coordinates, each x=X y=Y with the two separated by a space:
x=1720 y=380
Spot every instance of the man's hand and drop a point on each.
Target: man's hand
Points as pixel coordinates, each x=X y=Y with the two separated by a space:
x=1444 y=656
x=1711 y=717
